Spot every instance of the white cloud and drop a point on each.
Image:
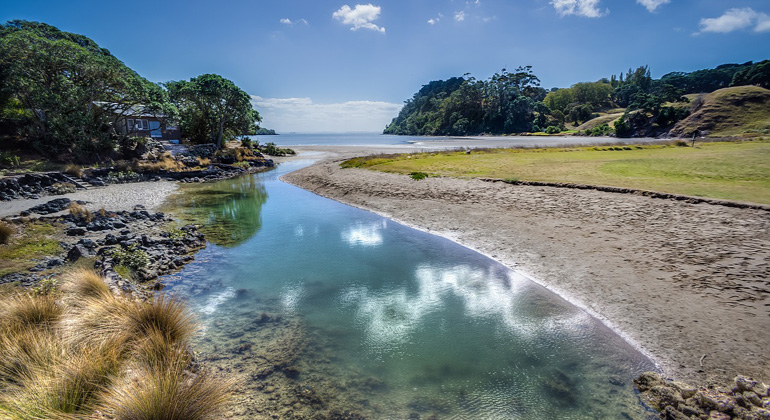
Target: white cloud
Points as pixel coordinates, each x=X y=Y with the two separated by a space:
x=734 y=20
x=651 y=5
x=304 y=116
x=460 y=16
x=585 y=8
x=287 y=21
x=361 y=16
x=763 y=23
x=433 y=21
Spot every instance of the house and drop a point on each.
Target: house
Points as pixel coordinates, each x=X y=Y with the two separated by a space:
x=136 y=122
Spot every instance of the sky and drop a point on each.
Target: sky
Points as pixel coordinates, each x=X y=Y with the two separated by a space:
x=340 y=66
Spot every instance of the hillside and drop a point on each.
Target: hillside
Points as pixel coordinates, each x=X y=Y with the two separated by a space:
x=728 y=112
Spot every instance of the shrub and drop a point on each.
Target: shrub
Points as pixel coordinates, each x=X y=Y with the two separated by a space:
x=552 y=129
x=418 y=175
x=60 y=188
x=131 y=256
x=80 y=212
x=680 y=143
x=6 y=232
x=9 y=160
x=623 y=128
x=247 y=143
x=45 y=286
x=73 y=170
x=123 y=177
x=273 y=150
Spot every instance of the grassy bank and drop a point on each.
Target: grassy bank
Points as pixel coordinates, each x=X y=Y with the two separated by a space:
x=725 y=170
x=78 y=351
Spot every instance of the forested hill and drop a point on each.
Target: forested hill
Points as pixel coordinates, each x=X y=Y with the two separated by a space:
x=629 y=104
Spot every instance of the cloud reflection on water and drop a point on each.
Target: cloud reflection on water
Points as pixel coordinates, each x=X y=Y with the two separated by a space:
x=389 y=317
x=365 y=234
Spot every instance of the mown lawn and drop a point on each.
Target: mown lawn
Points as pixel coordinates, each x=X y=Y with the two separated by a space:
x=727 y=170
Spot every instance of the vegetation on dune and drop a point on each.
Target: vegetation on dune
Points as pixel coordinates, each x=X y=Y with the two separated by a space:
x=726 y=170
x=728 y=112
x=630 y=104
x=81 y=351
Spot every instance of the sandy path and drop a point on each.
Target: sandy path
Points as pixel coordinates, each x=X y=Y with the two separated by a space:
x=679 y=280
x=114 y=197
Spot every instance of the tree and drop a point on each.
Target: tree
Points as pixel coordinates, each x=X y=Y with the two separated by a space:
x=757 y=74
x=70 y=91
x=213 y=109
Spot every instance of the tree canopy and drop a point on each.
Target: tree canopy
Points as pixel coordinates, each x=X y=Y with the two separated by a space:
x=505 y=103
x=63 y=93
x=213 y=109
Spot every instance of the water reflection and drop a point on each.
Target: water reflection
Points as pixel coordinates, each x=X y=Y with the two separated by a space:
x=365 y=234
x=228 y=212
x=391 y=317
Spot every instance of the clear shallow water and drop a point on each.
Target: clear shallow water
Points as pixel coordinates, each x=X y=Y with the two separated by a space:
x=392 y=322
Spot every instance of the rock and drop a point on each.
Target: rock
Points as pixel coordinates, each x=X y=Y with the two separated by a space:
x=716 y=415
x=686 y=390
x=77 y=252
x=76 y=231
x=661 y=396
x=110 y=239
x=715 y=401
x=671 y=413
x=88 y=243
x=647 y=380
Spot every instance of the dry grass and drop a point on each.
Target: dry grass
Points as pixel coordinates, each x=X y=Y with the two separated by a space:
x=165 y=163
x=167 y=393
x=82 y=352
x=24 y=311
x=83 y=283
x=73 y=170
x=6 y=232
x=203 y=161
x=80 y=212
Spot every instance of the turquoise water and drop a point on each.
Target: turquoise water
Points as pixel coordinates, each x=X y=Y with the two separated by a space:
x=395 y=323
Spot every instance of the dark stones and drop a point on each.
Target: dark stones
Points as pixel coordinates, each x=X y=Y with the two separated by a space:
x=679 y=401
x=77 y=252
x=76 y=231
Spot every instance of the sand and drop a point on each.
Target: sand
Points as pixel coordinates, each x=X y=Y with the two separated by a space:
x=114 y=197
x=686 y=283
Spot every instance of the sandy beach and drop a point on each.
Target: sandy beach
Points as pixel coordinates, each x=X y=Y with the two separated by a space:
x=686 y=283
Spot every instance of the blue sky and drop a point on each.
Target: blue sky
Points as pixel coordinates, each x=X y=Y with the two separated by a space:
x=319 y=65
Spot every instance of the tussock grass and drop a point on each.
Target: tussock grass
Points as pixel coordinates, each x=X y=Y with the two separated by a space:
x=80 y=212
x=25 y=311
x=6 y=232
x=165 y=392
x=73 y=170
x=83 y=352
x=84 y=283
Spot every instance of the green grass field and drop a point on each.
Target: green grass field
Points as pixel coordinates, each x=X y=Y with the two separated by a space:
x=726 y=170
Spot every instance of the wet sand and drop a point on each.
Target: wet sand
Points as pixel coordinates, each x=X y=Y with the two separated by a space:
x=686 y=283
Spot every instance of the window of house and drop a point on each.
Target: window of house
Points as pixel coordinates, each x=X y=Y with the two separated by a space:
x=145 y=125
x=130 y=124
